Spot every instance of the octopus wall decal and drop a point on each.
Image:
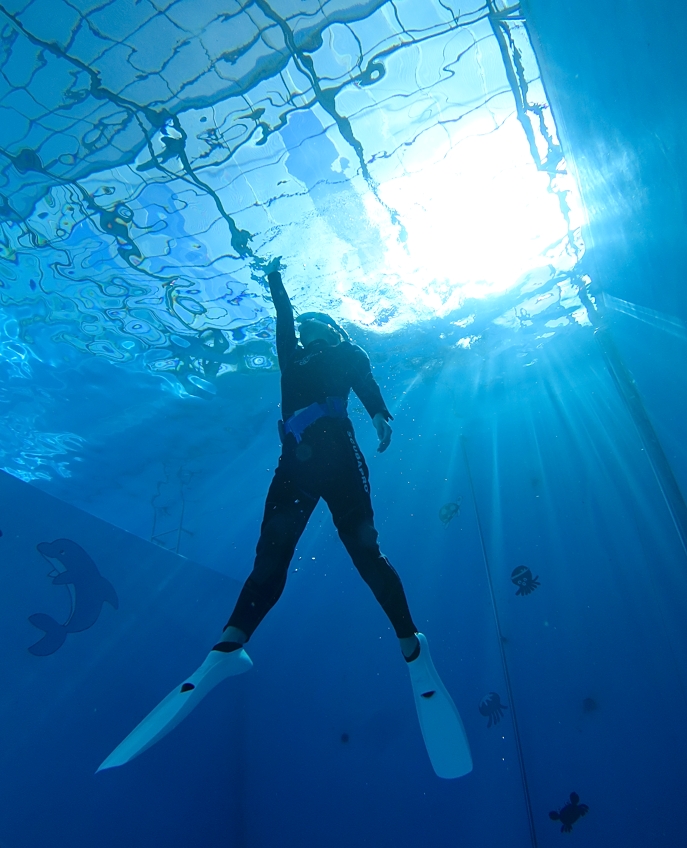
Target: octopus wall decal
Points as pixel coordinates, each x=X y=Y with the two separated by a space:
x=491 y=707
x=522 y=577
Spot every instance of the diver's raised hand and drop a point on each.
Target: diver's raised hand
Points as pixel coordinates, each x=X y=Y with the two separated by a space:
x=274 y=281
x=383 y=431
x=272 y=270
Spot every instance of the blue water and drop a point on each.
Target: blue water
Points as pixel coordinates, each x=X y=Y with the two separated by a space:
x=491 y=199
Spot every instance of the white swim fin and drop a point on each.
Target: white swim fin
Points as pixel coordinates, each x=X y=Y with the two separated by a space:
x=217 y=666
x=440 y=722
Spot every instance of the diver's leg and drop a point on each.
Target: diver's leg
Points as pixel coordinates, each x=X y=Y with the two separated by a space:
x=359 y=535
x=287 y=511
x=347 y=494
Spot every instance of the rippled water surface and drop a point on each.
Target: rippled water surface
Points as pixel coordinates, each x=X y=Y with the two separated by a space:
x=400 y=158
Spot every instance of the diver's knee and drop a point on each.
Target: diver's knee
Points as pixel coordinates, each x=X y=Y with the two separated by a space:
x=360 y=536
x=278 y=531
x=266 y=583
x=366 y=534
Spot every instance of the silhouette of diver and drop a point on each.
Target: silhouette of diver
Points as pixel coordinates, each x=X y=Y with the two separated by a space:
x=320 y=459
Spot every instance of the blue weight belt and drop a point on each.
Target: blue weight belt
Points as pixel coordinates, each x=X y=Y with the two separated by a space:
x=335 y=407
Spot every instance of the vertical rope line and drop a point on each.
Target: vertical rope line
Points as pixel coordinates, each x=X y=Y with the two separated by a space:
x=659 y=462
x=182 y=496
x=509 y=689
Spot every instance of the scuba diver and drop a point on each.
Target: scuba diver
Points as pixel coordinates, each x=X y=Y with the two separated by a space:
x=320 y=459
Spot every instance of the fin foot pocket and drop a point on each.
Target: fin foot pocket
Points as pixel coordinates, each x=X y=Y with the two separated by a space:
x=227 y=647
x=415 y=654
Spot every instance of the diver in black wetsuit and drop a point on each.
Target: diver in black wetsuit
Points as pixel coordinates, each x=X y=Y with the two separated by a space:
x=320 y=459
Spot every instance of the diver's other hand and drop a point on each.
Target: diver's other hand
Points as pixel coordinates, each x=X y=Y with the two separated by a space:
x=383 y=431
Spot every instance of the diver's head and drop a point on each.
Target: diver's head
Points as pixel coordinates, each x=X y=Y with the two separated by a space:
x=312 y=330
x=319 y=325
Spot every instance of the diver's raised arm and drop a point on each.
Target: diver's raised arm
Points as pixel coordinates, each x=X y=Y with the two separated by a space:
x=286 y=334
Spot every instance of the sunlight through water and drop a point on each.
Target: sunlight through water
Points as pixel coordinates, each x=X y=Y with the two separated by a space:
x=401 y=159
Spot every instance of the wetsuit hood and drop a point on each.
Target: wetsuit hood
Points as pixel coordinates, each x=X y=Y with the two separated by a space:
x=325 y=319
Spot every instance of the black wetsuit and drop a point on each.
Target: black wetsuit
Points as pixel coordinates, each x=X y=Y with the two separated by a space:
x=326 y=464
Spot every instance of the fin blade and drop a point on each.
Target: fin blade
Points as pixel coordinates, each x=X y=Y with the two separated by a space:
x=440 y=722
x=173 y=709
x=157 y=724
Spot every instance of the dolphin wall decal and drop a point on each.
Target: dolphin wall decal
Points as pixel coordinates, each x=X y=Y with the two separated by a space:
x=89 y=591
